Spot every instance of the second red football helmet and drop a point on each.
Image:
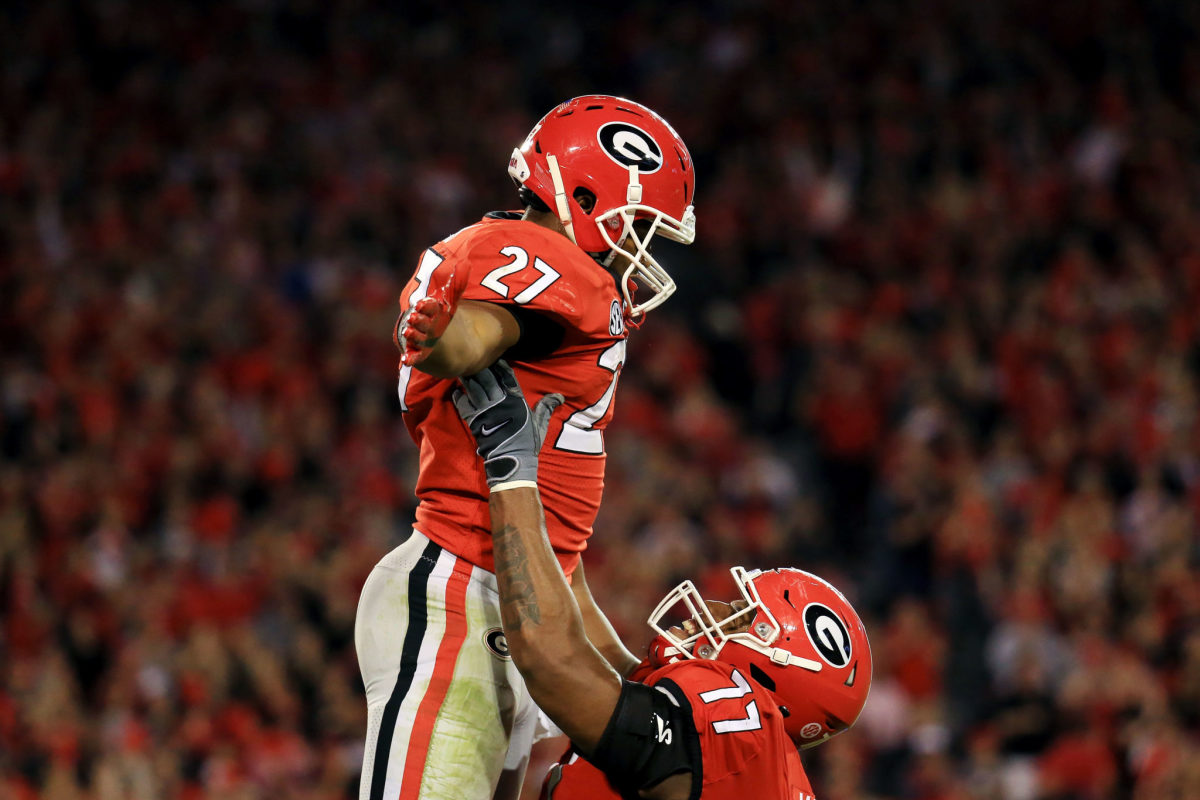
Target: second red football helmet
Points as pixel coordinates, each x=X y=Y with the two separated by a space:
x=635 y=168
x=797 y=636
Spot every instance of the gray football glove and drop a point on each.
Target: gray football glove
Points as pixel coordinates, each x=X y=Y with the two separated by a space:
x=508 y=435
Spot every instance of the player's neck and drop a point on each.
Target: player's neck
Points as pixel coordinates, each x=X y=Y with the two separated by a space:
x=547 y=219
x=550 y=221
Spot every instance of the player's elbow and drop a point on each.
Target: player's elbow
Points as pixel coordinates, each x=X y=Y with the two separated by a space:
x=540 y=652
x=530 y=649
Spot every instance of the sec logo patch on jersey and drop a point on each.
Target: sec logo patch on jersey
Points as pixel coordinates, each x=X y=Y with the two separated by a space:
x=616 y=319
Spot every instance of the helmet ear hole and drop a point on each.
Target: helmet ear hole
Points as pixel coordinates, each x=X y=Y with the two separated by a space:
x=531 y=200
x=760 y=675
x=585 y=198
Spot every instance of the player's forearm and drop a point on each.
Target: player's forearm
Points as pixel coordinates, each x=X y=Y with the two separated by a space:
x=536 y=605
x=605 y=640
x=459 y=352
x=599 y=630
x=478 y=334
x=543 y=625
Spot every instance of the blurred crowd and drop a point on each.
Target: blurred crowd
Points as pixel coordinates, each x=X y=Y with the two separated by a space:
x=937 y=341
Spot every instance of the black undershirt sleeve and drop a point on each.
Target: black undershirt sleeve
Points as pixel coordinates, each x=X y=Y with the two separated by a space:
x=540 y=335
x=650 y=737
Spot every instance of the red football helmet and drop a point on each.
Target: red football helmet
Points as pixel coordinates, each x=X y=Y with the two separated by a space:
x=804 y=644
x=635 y=166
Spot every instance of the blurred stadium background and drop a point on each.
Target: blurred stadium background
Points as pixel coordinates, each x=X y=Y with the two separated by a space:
x=937 y=341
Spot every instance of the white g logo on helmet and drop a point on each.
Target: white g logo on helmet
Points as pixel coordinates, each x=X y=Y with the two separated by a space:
x=630 y=146
x=828 y=634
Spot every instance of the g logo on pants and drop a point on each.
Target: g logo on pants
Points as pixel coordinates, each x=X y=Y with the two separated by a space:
x=494 y=641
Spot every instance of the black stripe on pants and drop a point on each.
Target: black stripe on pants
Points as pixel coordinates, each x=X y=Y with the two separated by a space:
x=418 y=582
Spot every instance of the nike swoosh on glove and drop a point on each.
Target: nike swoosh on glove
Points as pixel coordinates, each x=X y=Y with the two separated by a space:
x=508 y=434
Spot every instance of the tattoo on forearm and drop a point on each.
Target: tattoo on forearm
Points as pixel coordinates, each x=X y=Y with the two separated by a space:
x=519 y=601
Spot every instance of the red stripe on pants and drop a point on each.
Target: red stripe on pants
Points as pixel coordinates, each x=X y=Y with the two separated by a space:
x=439 y=682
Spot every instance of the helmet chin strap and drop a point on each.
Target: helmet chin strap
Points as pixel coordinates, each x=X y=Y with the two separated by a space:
x=560 y=197
x=633 y=196
x=785 y=659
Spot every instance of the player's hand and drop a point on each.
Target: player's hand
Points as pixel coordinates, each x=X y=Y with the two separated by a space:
x=660 y=653
x=508 y=435
x=421 y=326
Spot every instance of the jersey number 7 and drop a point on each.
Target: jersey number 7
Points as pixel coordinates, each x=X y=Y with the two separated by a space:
x=749 y=720
x=579 y=434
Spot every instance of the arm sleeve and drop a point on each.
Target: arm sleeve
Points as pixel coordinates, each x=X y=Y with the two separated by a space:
x=540 y=336
x=650 y=737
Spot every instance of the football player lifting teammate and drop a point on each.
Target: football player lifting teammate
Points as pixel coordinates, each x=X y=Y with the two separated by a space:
x=720 y=705
x=553 y=289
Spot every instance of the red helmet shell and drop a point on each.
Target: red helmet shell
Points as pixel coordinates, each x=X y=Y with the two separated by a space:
x=815 y=622
x=596 y=139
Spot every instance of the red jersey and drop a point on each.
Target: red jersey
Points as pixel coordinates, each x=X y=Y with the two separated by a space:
x=745 y=751
x=521 y=264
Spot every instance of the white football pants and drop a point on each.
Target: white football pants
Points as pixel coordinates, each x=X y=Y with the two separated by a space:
x=447 y=712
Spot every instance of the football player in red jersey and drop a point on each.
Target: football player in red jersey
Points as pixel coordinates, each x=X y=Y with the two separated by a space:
x=722 y=702
x=553 y=289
